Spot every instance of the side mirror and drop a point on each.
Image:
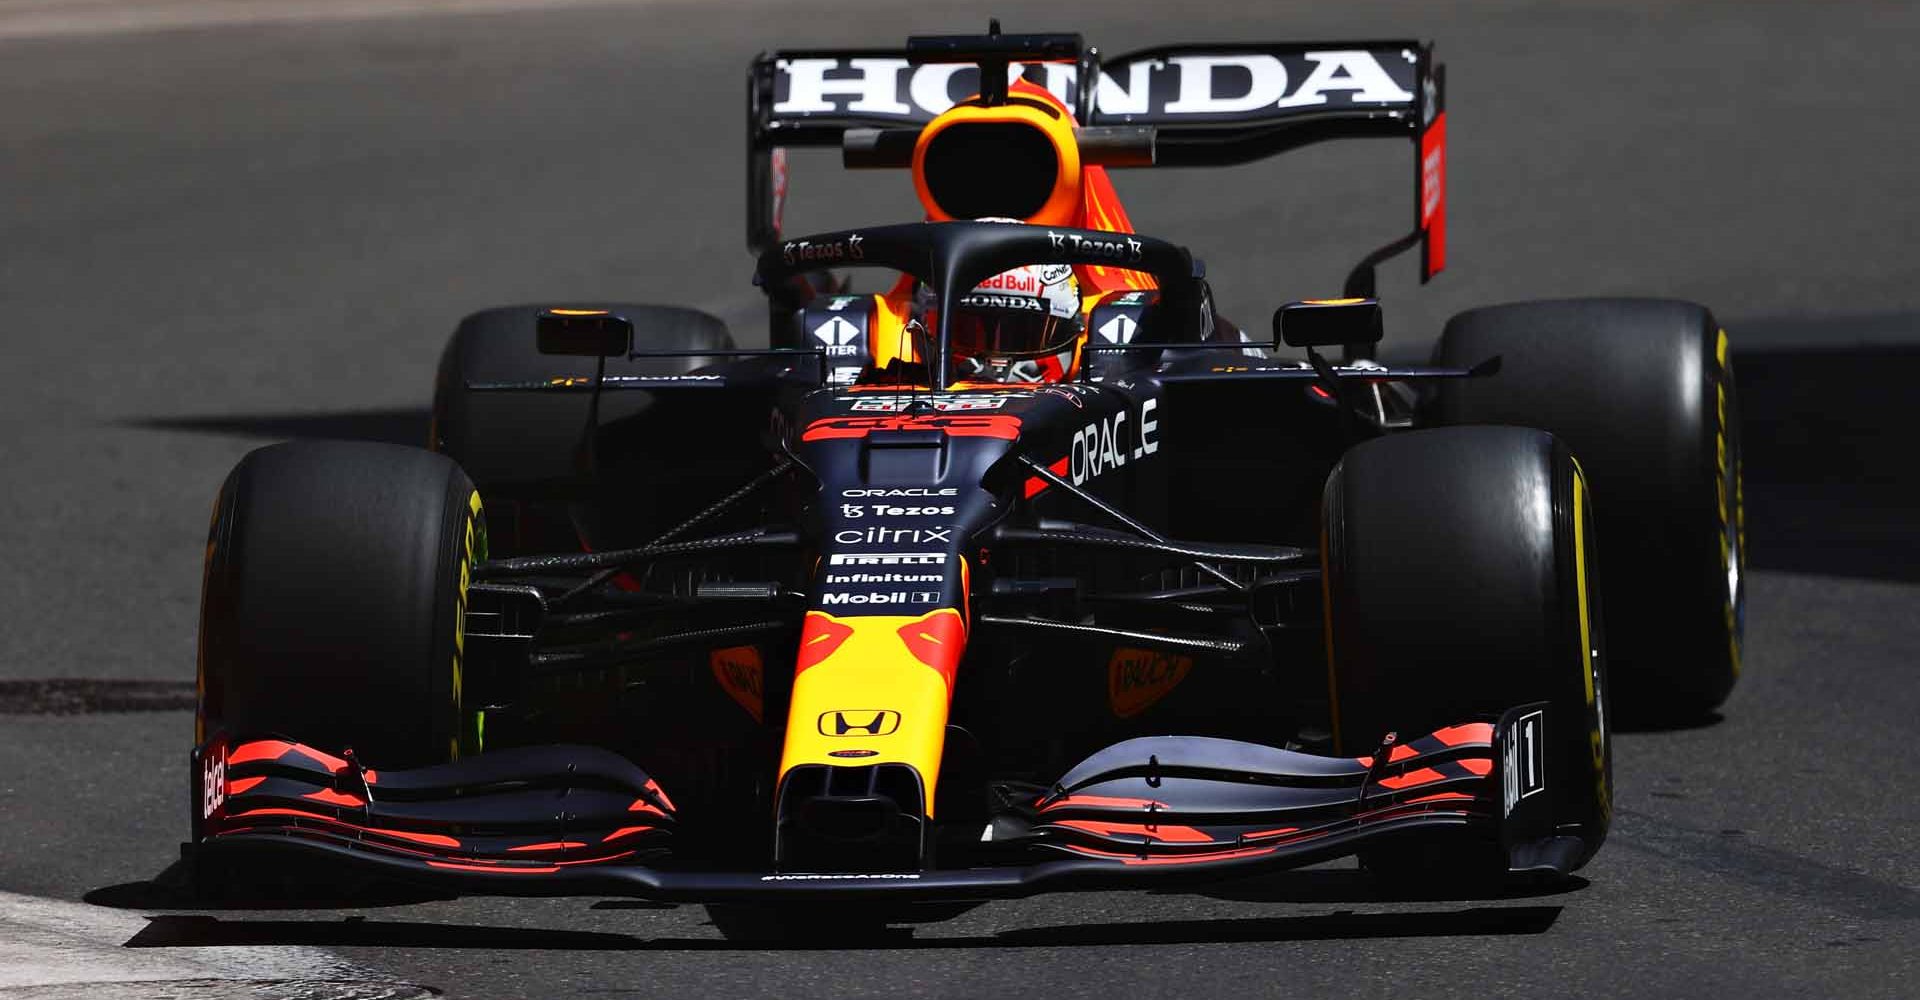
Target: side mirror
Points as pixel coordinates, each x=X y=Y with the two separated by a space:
x=1328 y=322
x=588 y=333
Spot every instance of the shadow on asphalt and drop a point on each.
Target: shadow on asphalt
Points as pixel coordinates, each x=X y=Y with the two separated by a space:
x=1351 y=885
x=199 y=931
x=1827 y=448
x=170 y=890
x=325 y=890
x=1666 y=723
x=399 y=426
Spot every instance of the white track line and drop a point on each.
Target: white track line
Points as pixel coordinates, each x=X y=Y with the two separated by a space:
x=55 y=18
x=46 y=944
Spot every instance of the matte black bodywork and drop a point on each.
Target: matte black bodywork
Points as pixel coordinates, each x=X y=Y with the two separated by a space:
x=1093 y=515
x=1129 y=553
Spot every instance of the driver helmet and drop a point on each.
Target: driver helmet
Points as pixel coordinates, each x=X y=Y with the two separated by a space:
x=1022 y=325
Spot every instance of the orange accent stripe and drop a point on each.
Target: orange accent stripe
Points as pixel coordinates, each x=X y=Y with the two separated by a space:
x=1472 y=732
x=820 y=635
x=458 y=866
x=623 y=832
x=966 y=593
x=1084 y=801
x=1479 y=767
x=333 y=798
x=1176 y=859
x=1170 y=834
x=1423 y=776
x=558 y=845
x=326 y=760
x=1441 y=797
x=654 y=787
x=303 y=814
x=247 y=753
x=999 y=425
x=439 y=840
x=421 y=838
x=595 y=861
x=937 y=640
x=238 y=785
x=1036 y=485
x=1102 y=209
x=433 y=839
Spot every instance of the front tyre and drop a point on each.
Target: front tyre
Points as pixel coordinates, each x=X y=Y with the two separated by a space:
x=1459 y=568
x=334 y=600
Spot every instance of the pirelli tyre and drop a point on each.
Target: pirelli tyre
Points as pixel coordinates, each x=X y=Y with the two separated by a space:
x=1642 y=391
x=524 y=449
x=1458 y=569
x=333 y=606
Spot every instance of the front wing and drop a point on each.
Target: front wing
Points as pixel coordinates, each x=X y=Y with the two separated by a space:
x=569 y=820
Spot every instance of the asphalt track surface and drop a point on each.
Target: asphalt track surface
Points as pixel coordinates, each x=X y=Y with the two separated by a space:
x=223 y=235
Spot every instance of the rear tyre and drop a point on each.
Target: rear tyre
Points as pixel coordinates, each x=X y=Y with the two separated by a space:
x=1458 y=568
x=334 y=600
x=524 y=448
x=1642 y=391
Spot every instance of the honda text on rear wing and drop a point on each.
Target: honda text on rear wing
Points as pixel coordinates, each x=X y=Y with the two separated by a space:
x=1170 y=106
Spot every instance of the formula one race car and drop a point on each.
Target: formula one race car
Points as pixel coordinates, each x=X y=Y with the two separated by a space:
x=1029 y=572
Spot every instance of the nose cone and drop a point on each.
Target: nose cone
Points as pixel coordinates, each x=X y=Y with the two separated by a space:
x=865 y=732
x=879 y=653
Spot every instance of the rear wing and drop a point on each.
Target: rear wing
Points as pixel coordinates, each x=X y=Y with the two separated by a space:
x=1172 y=106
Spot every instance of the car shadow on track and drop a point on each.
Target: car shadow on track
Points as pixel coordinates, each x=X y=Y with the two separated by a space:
x=237 y=921
x=398 y=425
x=1351 y=885
x=171 y=889
x=1826 y=448
x=200 y=931
x=1827 y=444
x=1667 y=723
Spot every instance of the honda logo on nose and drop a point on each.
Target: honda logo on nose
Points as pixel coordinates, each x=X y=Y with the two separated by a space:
x=859 y=722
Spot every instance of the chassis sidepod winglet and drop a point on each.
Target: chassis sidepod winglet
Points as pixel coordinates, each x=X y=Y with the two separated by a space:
x=556 y=821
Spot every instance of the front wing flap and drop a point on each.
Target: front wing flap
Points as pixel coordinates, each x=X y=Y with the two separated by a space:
x=1170 y=800
x=554 y=821
x=524 y=811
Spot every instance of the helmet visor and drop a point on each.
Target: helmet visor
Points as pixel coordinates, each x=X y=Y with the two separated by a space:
x=985 y=333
